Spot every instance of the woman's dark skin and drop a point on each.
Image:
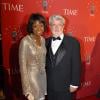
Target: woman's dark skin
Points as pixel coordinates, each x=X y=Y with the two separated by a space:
x=38 y=29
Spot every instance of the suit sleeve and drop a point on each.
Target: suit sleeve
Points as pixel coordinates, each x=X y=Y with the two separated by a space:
x=46 y=45
x=23 y=67
x=76 y=64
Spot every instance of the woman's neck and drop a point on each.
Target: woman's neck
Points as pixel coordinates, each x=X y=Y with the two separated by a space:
x=37 y=39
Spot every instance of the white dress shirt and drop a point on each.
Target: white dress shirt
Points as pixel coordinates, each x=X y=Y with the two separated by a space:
x=55 y=45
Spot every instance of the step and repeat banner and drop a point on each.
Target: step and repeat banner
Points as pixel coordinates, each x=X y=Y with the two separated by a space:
x=83 y=18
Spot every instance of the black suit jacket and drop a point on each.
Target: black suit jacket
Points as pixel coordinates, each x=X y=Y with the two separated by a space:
x=65 y=69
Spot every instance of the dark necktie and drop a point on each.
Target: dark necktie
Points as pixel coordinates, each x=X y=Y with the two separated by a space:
x=56 y=38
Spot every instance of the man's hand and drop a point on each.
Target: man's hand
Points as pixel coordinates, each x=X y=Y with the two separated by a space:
x=30 y=96
x=72 y=89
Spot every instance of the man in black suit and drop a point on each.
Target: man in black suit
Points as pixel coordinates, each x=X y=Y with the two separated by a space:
x=63 y=62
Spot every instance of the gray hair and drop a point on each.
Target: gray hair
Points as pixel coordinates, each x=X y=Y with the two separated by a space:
x=56 y=17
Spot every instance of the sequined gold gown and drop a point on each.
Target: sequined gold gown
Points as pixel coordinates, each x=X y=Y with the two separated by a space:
x=32 y=67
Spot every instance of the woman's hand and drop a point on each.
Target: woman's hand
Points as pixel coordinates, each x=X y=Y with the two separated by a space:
x=30 y=96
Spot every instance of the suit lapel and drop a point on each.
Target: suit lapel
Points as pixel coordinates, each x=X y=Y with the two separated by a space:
x=61 y=51
x=50 y=51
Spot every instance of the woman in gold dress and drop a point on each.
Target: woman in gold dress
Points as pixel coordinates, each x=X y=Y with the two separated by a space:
x=32 y=54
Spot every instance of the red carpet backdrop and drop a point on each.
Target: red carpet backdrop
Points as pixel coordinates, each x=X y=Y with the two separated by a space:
x=83 y=17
